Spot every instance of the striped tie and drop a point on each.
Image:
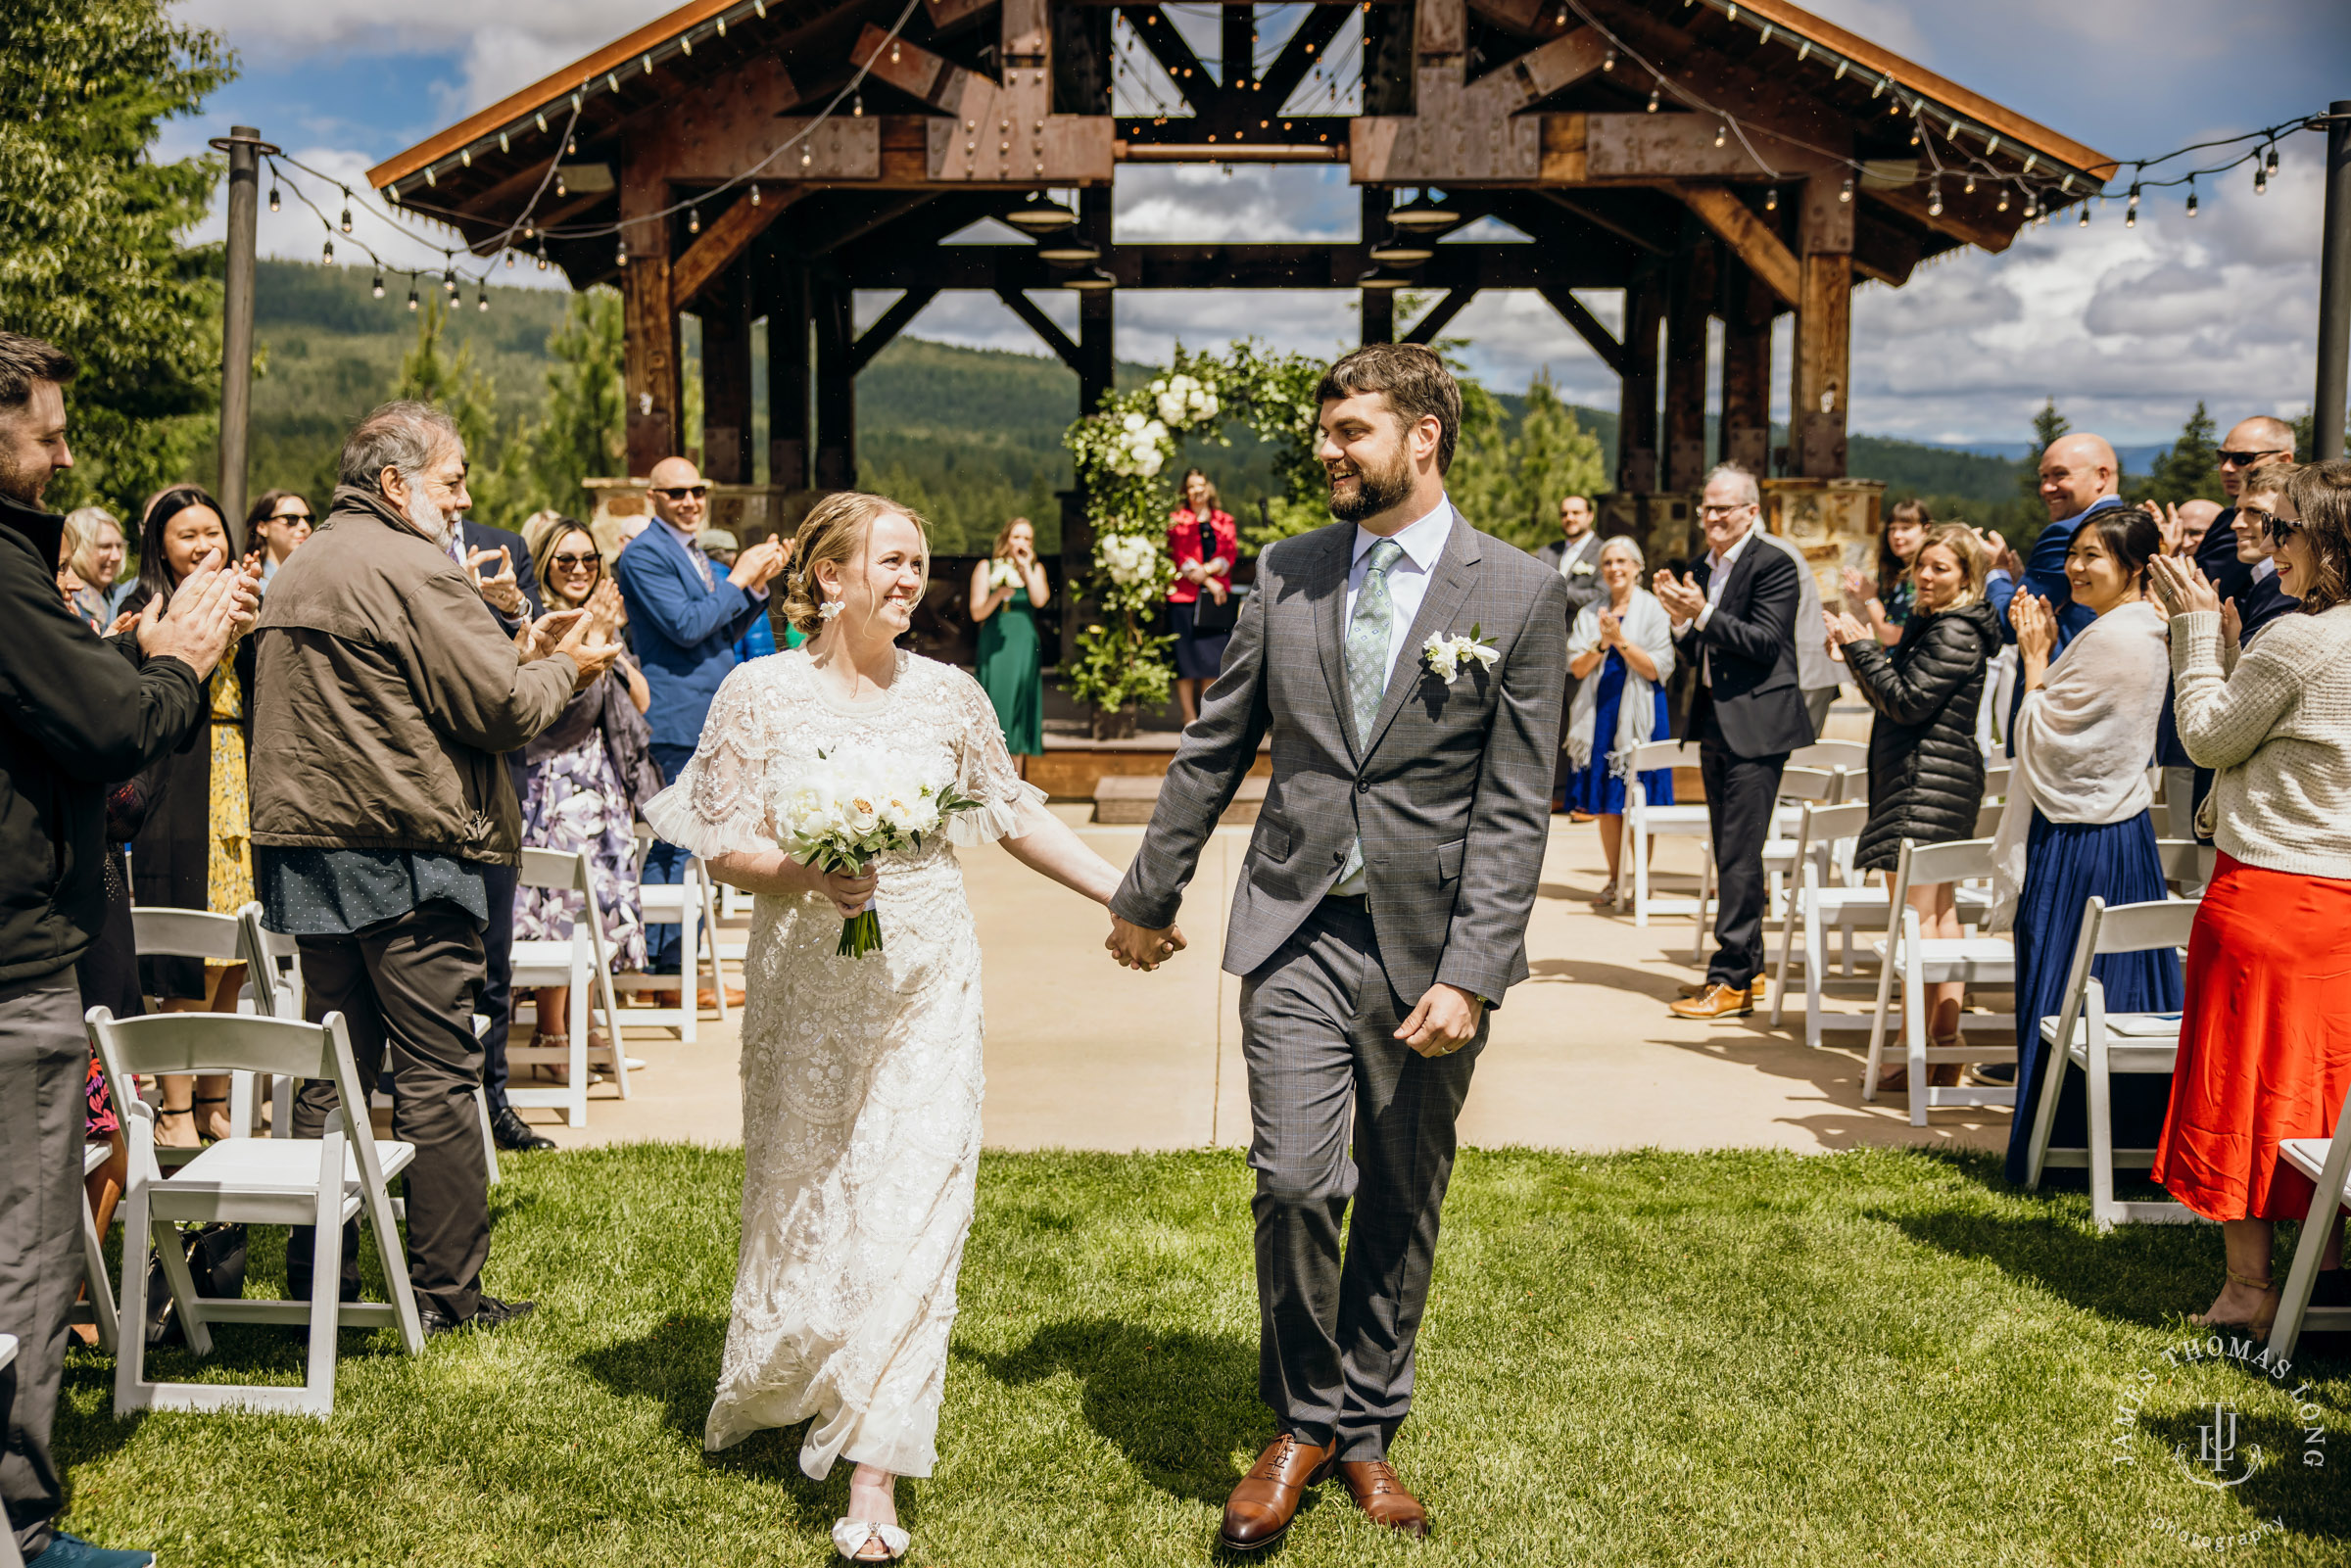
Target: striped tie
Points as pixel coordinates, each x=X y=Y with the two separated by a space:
x=1368 y=672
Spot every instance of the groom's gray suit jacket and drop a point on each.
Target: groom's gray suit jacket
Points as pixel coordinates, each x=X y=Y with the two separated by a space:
x=1449 y=792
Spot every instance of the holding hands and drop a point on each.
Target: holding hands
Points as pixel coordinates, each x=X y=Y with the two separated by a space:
x=1139 y=947
x=1683 y=600
x=2182 y=586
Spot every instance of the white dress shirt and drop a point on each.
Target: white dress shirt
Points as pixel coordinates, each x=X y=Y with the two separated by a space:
x=1423 y=542
x=1719 y=564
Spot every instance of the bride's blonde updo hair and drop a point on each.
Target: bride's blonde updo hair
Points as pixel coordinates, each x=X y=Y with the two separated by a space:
x=835 y=531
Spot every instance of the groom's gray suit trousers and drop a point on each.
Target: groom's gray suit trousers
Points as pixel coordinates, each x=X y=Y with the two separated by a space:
x=1317 y=1032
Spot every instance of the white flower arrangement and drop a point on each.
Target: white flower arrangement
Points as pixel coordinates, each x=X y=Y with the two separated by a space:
x=1139 y=449
x=1183 y=400
x=1003 y=574
x=1446 y=654
x=1130 y=559
x=854 y=808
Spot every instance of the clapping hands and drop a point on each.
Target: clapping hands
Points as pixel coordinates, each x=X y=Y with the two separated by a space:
x=2182 y=586
x=500 y=588
x=1611 y=629
x=1683 y=600
x=2036 y=631
x=1841 y=629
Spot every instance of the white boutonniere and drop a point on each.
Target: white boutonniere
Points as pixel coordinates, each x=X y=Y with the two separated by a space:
x=1446 y=654
x=1580 y=569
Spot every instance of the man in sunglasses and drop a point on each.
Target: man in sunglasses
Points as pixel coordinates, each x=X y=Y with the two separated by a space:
x=684 y=619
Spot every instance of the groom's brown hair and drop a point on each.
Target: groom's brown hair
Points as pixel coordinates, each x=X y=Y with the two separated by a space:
x=1415 y=381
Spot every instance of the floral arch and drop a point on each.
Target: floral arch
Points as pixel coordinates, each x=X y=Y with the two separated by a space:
x=1121 y=453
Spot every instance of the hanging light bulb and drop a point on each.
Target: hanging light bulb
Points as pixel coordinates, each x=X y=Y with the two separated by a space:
x=1847 y=193
x=2130 y=210
x=754 y=195
x=1970 y=188
x=807 y=157
x=449 y=281
x=620 y=253
x=694 y=221
x=510 y=260
x=2192 y=195
x=347 y=212
x=894 y=51
x=412 y=296
x=2084 y=220
x=1609 y=61
x=326 y=258
x=1722 y=133
x=1935 y=199
x=379 y=285
x=857 y=106
x=1654 y=94
x=558 y=184
x=273 y=198
x=2268 y=163
x=1771 y=199
x=2003 y=205
x=543 y=261
x=2261 y=180
x=482 y=302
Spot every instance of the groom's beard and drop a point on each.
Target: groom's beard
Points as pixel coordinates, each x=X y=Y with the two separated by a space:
x=1376 y=490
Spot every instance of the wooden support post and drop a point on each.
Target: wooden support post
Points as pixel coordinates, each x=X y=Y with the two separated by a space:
x=835 y=385
x=1097 y=366
x=1637 y=409
x=1378 y=305
x=1687 y=311
x=726 y=378
x=1824 y=326
x=789 y=365
x=1746 y=420
x=649 y=362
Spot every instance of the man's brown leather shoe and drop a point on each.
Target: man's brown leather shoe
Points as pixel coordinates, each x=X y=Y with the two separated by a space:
x=1380 y=1495
x=1759 y=988
x=1262 y=1507
x=1717 y=1002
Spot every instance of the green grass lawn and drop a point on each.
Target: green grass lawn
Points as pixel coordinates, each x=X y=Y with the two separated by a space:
x=1742 y=1358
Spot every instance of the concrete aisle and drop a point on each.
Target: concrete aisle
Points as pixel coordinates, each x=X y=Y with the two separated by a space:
x=1081 y=1054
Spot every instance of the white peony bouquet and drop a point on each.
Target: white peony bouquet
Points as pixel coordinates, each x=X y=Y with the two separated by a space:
x=1139 y=448
x=1003 y=574
x=1130 y=559
x=1446 y=654
x=1183 y=400
x=853 y=808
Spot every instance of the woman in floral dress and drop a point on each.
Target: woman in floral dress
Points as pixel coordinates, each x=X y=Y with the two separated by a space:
x=588 y=772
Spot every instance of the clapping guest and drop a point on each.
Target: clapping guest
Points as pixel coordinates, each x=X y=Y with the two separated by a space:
x=1926 y=772
x=585 y=776
x=94 y=551
x=275 y=525
x=2264 y=1044
x=2076 y=823
x=1884 y=604
x=194 y=850
x=1203 y=543
x=1008 y=588
x=1620 y=656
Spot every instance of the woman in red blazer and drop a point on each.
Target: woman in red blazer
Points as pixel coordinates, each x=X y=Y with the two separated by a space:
x=1203 y=543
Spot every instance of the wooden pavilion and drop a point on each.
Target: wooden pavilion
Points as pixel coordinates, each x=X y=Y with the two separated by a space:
x=1710 y=158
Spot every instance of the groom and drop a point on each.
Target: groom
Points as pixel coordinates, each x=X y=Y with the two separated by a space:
x=1381 y=912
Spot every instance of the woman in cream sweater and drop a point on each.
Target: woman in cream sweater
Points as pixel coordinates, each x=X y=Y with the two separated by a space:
x=2265 y=1045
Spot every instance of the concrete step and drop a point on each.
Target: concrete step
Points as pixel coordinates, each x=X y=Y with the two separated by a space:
x=1130 y=800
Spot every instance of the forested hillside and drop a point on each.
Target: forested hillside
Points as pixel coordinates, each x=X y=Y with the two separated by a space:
x=967 y=436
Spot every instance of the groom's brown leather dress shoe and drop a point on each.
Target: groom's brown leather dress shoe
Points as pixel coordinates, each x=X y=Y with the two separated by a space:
x=1380 y=1495
x=1262 y=1507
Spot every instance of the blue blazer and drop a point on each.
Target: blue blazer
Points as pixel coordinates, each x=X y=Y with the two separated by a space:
x=683 y=634
x=2045 y=575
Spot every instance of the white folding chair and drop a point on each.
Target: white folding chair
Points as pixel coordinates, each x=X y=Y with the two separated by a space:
x=689 y=905
x=1850 y=755
x=2102 y=1044
x=1919 y=963
x=2326 y=1162
x=1642 y=821
x=1818 y=906
x=580 y=963
x=1995 y=781
x=10 y=1556
x=255 y=1181
x=99 y=1309
x=160 y=932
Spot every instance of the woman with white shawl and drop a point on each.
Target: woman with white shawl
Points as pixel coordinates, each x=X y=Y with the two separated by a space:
x=2076 y=823
x=1620 y=651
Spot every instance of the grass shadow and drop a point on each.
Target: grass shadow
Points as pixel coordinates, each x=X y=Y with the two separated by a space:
x=675 y=1364
x=1178 y=1404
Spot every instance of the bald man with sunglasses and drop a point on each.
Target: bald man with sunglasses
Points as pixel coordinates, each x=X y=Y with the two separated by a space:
x=684 y=621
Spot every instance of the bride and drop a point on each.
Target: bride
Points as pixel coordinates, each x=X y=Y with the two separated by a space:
x=861 y=1078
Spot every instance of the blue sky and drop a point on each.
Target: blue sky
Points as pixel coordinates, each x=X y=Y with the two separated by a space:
x=2126 y=329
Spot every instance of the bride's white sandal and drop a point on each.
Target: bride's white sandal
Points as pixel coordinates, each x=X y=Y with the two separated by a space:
x=851 y=1536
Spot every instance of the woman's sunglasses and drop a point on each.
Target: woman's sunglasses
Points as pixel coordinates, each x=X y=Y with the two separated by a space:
x=2277 y=529
x=573 y=563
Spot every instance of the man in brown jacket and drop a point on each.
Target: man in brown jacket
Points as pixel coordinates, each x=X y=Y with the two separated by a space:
x=384 y=693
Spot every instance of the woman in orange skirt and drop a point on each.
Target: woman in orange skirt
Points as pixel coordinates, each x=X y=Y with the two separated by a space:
x=2264 y=1046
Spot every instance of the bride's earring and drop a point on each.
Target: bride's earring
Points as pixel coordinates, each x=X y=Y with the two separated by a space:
x=831 y=604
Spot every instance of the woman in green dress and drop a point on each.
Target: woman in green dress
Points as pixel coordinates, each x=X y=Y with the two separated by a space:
x=1008 y=588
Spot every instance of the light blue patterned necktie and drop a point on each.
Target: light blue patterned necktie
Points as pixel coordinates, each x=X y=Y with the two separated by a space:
x=1368 y=672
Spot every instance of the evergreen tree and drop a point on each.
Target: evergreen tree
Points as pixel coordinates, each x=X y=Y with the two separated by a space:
x=1554 y=459
x=452 y=382
x=581 y=434
x=90 y=257
x=2049 y=426
x=2191 y=469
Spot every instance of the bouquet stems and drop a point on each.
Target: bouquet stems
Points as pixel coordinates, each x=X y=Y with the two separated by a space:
x=860 y=934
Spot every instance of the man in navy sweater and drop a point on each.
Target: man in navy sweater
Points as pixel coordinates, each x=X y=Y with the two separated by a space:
x=684 y=620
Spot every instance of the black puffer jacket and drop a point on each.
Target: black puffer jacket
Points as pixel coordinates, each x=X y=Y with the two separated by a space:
x=1926 y=775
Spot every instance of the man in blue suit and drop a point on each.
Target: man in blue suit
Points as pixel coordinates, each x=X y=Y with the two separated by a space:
x=2079 y=476
x=684 y=620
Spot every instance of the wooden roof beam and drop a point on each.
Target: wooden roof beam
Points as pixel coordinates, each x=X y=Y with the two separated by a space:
x=874 y=339
x=1587 y=327
x=1184 y=68
x=1732 y=221
x=727 y=237
x=1044 y=326
x=1991 y=230
x=1299 y=55
x=1439 y=317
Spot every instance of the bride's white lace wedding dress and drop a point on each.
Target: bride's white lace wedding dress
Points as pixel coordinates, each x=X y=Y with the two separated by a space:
x=861 y=1078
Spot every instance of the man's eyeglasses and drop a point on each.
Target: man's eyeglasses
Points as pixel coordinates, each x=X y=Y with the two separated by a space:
x=303 y=518
x=681 y=492
x=573 y=563
x=2246 y=460
x=1705 y=510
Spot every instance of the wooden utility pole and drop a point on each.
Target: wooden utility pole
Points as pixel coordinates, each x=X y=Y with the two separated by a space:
x=2334 y=289
x=245 y=146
